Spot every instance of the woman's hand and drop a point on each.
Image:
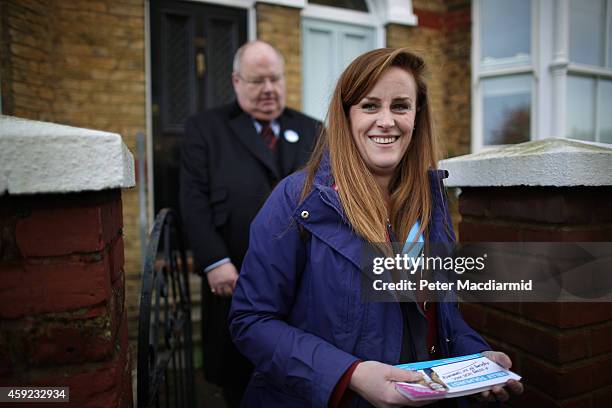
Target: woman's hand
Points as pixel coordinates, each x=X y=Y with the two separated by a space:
x=499 y=392
x=375 y=382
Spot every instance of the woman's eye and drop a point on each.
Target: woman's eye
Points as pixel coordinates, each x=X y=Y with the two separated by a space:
x=400 y=107
x=368 y=107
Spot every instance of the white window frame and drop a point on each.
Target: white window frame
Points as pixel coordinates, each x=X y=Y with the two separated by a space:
x=594 y=72
x=550 y=67
x=381 y=13
x=478 y=73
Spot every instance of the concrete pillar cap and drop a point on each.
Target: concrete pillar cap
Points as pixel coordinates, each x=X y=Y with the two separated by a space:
x=549 y=162
x=41 y=157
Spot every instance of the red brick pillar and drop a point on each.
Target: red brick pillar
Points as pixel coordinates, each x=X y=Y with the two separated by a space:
x=552 y=190
x=62 y=316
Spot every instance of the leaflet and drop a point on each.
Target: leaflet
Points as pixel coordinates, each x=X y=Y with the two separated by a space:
x=454 y=377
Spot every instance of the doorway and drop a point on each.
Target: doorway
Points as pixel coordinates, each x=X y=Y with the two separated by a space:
x=192 y=50
x=328 y=47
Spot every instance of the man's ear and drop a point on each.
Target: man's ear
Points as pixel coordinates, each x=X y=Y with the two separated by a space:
x=235 y=79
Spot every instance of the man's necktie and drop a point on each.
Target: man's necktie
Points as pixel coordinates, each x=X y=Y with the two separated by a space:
x=267 y=134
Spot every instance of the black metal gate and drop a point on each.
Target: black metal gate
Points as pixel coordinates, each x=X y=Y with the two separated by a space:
x=165 y=349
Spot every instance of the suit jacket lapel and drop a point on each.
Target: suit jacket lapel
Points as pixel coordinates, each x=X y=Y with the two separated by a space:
x=288 y=151
x=242 y=126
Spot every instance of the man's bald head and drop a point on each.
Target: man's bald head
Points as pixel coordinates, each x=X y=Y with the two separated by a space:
x=258 y=80
x=256 y=46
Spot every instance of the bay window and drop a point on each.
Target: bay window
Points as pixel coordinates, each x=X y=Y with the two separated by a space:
x=541 y=68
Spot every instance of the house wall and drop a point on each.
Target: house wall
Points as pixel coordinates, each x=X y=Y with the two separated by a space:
x=62 y=316
x=281 y=27
x=443 y=38
x=80 y=63
x=562 y=349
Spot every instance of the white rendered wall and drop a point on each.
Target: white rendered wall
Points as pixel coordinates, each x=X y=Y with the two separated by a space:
x=548 y=162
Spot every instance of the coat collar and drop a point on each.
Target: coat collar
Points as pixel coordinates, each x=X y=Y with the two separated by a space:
x=241 y=124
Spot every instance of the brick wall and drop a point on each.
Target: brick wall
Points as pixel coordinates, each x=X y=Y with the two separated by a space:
x=281 y=27
x=564 y=350
x=555 y=214
x=81 y=63
x=62 y=315
x=443 y=38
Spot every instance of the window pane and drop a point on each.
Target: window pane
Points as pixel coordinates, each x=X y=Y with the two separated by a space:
x=587 y=30
x=580 y=107
x=359 y=5
x=506 y=109
x=605 y=111
x=506 y=31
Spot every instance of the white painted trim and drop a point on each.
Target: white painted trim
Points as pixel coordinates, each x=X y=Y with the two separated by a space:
x=399 y=12
x=340 y=15
x=334 y=14
x=559 y=96
x=561 y=43
x=575 y=68
x=543 y=125
x=596 y=118
x=525 y=69
x=41 y=157
x=381 y=13
x=251 y=24
x=149 y=116
x=476 y=130
x=376 y=8
x=607 y=39
x=287 y=3
x=558 y=68
x=535 y=58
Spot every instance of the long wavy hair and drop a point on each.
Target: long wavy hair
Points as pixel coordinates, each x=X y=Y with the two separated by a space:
x=361 y=198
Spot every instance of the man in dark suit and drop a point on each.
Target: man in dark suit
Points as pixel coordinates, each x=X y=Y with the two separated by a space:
x=232 y=158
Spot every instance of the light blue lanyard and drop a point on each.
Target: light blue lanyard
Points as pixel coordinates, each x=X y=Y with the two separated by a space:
x=412 y=246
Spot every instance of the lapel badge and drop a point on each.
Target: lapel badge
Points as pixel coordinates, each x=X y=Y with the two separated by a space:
x=291 y=136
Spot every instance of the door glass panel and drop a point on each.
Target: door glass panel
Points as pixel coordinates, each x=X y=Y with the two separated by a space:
x=179 y=80
x=192 y=48
x=605 y=111
x=505 y=32
x=506 y=109
x=580 y=107
x=353 y=45
x=587 y=30
x=328 y=48
x=318 y=72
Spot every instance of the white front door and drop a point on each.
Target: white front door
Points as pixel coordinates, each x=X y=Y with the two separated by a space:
x=327 y=48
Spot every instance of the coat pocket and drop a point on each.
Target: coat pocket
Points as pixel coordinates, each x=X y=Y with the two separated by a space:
x=219 y=206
